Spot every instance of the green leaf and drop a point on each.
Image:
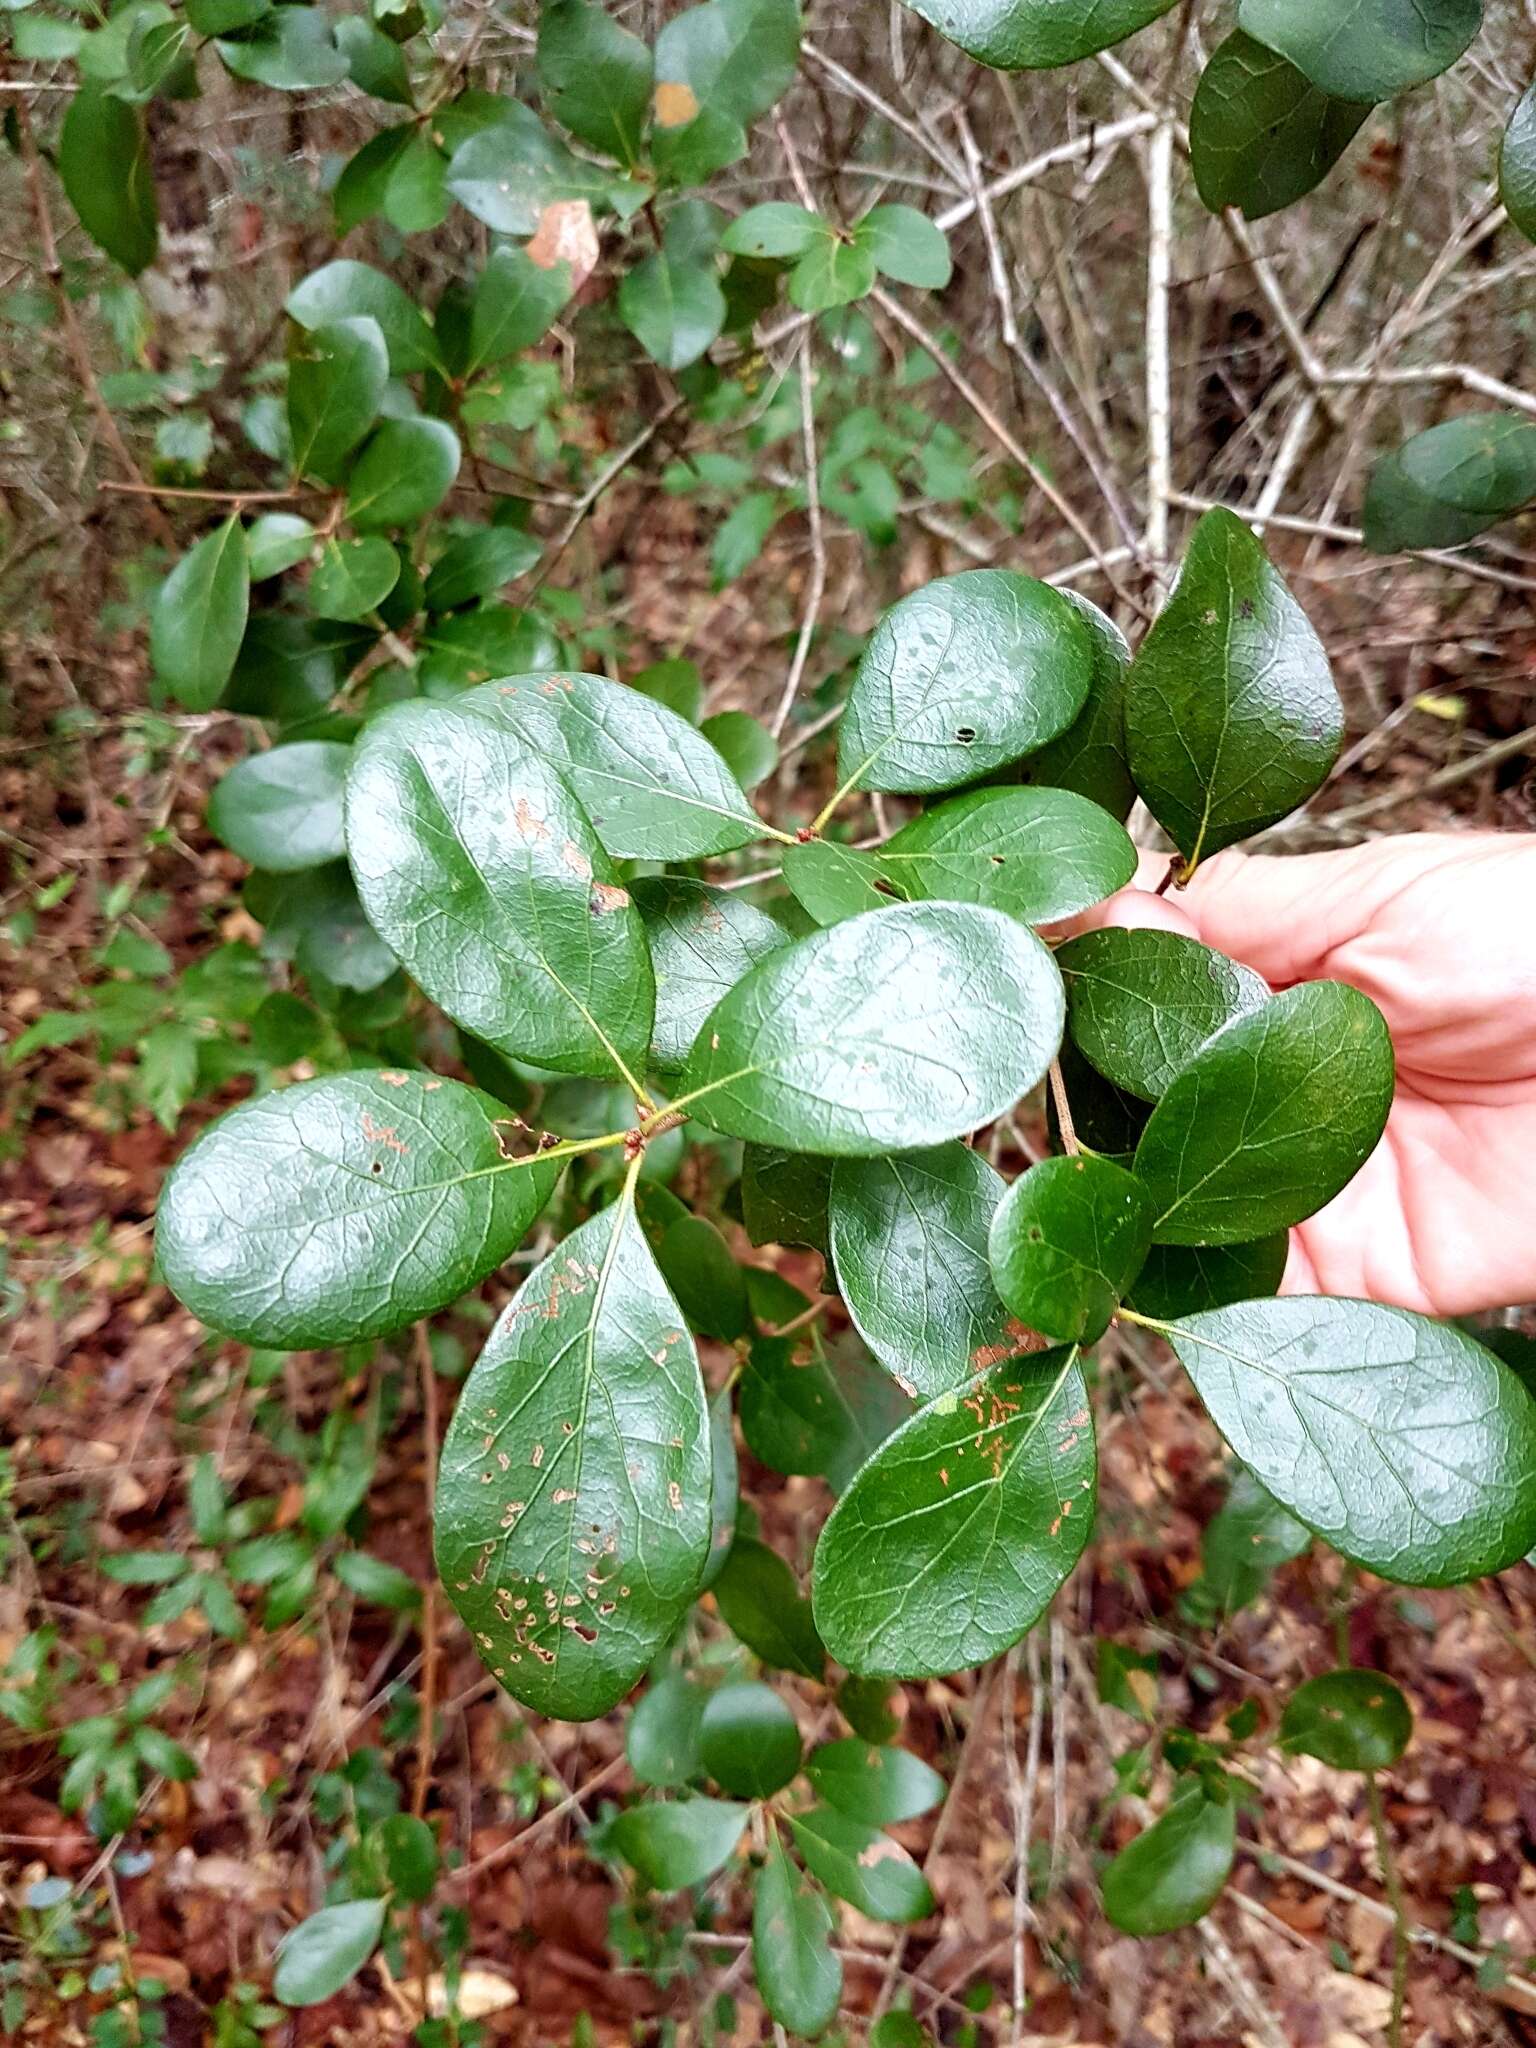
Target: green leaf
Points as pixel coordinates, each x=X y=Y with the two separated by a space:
x=161 y=1754
x=595 y=77
x=702 y=942
x=1141 y=1003
x=416 y=191
x=741 y=536
x=407 y=1851
x=962 y=677
x=909 y=1240
x=902 y=1028
x=871 y=1782
x=352 y=578
x=315 y=920
x=1517 y=165
x=1037 y=35
x=282 y=809
x=1354 y=1720
x=822 y=1413
x=717 y=68
x=858 y=1863
x=833 y=272
x=1248 y=1537
x=745 y=745
x=680 y=1841
x=784 y=1197
x=1066 y=1242
x=749 y=1741
x=1171 y=1874
x=105 y=167
x=676 y=684
x=275 y=542
x=662 y=1740
x=706 y=1280
x=326 y=1951
x=1400 y=1441
x=673 y=306
x=832 y=881
x=954 y=1538
x=775 y=229
x=478 y=565
x=291 y=48
x=799 y=1977
x=336 y=384
x=654 y=788
x=405 y=471
x=1271 y=1119
x=168 y=1070
x=727 y=1488
x=363 y=189
x=1481 y=463
x=218 y=17
x=1398 y=513
x=380 y=1584
x=1370 y=50
x=477 y=865
x=515 y=304
x=1089 y=757
x=1180 y=1280
x=1261 y=135
x=906 y=245
x=345 y=290
x=1231 y=715
x=144 y=1567
x=508 y=173
x=573 y=1561
x=760 y=1603
x=375 y=62
x=469 y=647
x=343 y=1208
x=1038 y=854
x=197 y=618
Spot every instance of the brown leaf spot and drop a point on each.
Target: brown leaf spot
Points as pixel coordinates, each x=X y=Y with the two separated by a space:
x=607 y=896
x=529 y=824
x=566 y=233
x=675 y=104
x=575 y=859
x=381 y=1134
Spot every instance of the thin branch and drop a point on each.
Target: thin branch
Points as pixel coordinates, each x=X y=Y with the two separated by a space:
x=857 y=89
x=1461 y=375
x=1159 y=400
x=816 y=588
x=1088 y=144
x=600 y=483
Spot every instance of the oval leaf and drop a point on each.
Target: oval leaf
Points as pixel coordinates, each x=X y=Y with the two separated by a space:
x=1517 y=165
x=1067 y=1240
x=105 y=167
x=871 y=1782
x=1089 y=757
x=1261 y=135
x=1183 y=1279
x=1037 y=35
x=760 y=1602
x=405 y=471
x=860 y=1864
x=1481 y=463
x=1171 y=1875
x=662 y=1739
x=282 y=810
x=702 y=942
x=681 y=1842
x=336 y=378
x=748 y=1740
x=805 y=1409
x=326 y=1951
x=352 y=578
x=1038 y=854
x=1141 y=1003
x=832 y=881
x=800 y=1979
x=1353 y=1720
x=197 y=619
x=1371 y=50
x=345 y=290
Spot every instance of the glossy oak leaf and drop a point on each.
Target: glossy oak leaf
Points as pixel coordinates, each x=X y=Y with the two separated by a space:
x=1066 y=1241
x=800 y=1978
x=1141 y=1002
x=1037 y=35
x=1231 y=715
x=573 y=1501
x=702 y=941
x=1261 y=134
x=909 y=1241
x=718 y=67
x=1367 y=49
x=1400 y=1441
x=962 y=677
x=860 y=1864
x=1038 y=854
x=652 y=786
x=954 y=1538
x=343 y=1208
x=281 y=810
x=905 y=1027
x=1275 y=1115
x=477 y=864
x=1171 y=1875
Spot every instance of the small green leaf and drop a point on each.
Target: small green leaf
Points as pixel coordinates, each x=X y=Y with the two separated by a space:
x=833 y=881
x=337 y=374
x=407 y=1850
x=1038 y=854
x=680 y=1841
x=833 y=272
x=352 y=578
x=1372 y=51
x=776 y=229
x=954 y=1538
x=1230 y=712
x=962 y=677
x=726 y=1478
x=702 y=942
x=717 y=68
x=1067 y=1240
x=823 y=1413
x=906 y=1027
x=468 y=647
x=595 y=77
x=406 y=469
x=858 y=1863
x=1141 y=1003
x=742 y=535
x=871 y=1782
x=1171 y=1875
x=1261 y=135
x=479 y=564
x=345 y=290
x=760 y=1602
x=416 y=191
x=144 y=1567
x=326 y=1951
x=281 y=810
x=1037 y=35
x=573 y=1504
x=1400 y=1441
x=1517 y=165
x=675 y=684
x=380 y=1584
x=906 y=245
x=800 y=1978
x=1398 y=513
x=105 y=167
x=275 y=542
x=1248 y=1537
x=515 y=304
x=375 y=63
x=1271 y=1119
x=1354 y=1720
x=343 y=1208
x=197 y=618
x=673 y=306
x=291 y=48
x=745 y=745
x=1452 y=481
x=1181 y=1280
x=748 y=1740
x=662 y=1740
x=160 y=1753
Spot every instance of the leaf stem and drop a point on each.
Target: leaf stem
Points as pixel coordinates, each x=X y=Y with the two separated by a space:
x=1064 y=1111
x=1393 y=1883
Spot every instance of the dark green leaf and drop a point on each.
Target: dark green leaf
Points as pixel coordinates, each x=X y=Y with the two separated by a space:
x=144 y=1567
x=476 y=863
x=478 y=565
x=1089 y=757
x=806 y=1410
x=1353 y=1720
x=352 y=578
x=197 y=618
x=375 y=62
x=470 y=647
x=345 y=290
x=906 y=245
x=515 y=303
x=1230 y=711
x=676 y=684
x=380 y=1584
x=1370 y=50
x=1398 y=513
x=105 y=167
x=407 y=1850
x=1038 y=854
x=315 y=920
x=717 y=68
x=406 y=470
x=909 y=1239
x=161 y=1754
x=905 y=1027
x=1400 y=1441
x=748 y=1740
x=327 y=1950
x=873 y=1783
x=292 y=48
x=416 y=192
x=275 y=542
x=832 y=881
x=662 y=1740
x=702 y=942
x=1517 y=165
x=1271 y=1119
x=784 y=1197
x=680 y=1841
x=282 y=810
x=860 y=1864
x=745 y=745
x=1141 y=1003
x=343 y=1208
x=1037 y=35
x=726 y=1475
x=363 y=186
x=707 y=1281
x=962 y=677
x=1261 y=135
x=954 y=1538
x=742 y=534
x=595 y=76
x=800 y=1978
x=289 y=668
x=1245 y=1540
x=1479 y=462
x=775 y=229
x=1181 y=1280
x=760 y=1603
x=508 y=173
x=1172 y=1873
x=218 y=17
x=673 y=306
x=1067 y=1240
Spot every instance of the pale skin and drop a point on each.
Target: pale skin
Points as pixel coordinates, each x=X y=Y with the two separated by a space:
x=1439 y=930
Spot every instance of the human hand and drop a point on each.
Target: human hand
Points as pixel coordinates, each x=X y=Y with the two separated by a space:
x=1439 y=930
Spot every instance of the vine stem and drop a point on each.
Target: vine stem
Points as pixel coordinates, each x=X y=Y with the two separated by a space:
x=427 y=1373
x=1395 y=1899
x=1069 y=1137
